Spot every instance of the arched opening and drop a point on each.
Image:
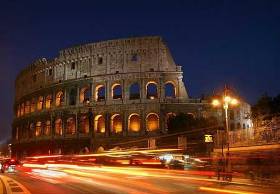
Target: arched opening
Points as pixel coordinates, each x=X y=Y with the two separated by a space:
x=100 y=93
x=47 y=130
x=99 y=124
x=169 y=117
x=116 y=123
x=151 y=90
x=152 y=122
x=85 y=95
x=117 y=91
x=48 y=101
x=40 y=103
x=18 y=111
x=33 y=105
x=22 y=109
x=59 y=98
x=169 y=89
x=134 y=122
x=134 y=91
x=84 y=124
x=58 y=127
x=31 y=130
x=70 y=126
x=27 y=107
x=38 y=129
x=72 y=96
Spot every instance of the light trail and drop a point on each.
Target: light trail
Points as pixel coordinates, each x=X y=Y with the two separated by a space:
x=225 y=190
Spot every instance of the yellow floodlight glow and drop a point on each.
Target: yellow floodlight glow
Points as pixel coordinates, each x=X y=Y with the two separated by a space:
x=234 y=101
x=227 y=99
x=215 y=102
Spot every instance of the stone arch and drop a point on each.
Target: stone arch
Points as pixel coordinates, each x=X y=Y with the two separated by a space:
x=85 y=94
x=84 y=124
x=169 y=90
x=48 y=101
x=58 y=126
x=134 y=122
x=70 y=126
x=169 y=116
x=38 y=129
x=100 y=92
x=152 y=122
x=99 y=124
x=116 y=123
x=151 y=90
x=116 y=91
x=134 y=91
x=59 y=98
x=72 y=96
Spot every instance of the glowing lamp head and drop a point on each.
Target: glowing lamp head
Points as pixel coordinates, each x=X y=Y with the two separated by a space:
x=234 y=102
x=227 y=99
x=215 y=102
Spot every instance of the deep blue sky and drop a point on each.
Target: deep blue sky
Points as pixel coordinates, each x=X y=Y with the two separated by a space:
x=216 y=42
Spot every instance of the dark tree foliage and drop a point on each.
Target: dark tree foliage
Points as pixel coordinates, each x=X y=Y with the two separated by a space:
x=266 y=106
x=185 y=122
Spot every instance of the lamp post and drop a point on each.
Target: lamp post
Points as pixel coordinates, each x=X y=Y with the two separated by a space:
x=226 y=102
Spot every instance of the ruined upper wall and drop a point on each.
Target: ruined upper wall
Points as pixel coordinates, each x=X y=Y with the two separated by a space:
x=140 y=54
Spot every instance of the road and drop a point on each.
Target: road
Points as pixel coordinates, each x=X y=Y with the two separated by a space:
x=73 y=179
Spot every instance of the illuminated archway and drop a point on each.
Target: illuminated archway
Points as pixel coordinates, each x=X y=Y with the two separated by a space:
x=40 y=103
x=85 y=95
x=134 y=91
x=22 y=109
x=58 y=127
x=151 y=90
x=152 y=122
x=70 y=126
x=33 y=105
x=84 y=124
x=100 y=93
x=116 y=91
x=116 y=123
x=38 y=129
x=99 y=124
x=27 y=107
x=169 y=90
x=134 y=122
x=59 y=98
x=47 y=130
x=48 y=101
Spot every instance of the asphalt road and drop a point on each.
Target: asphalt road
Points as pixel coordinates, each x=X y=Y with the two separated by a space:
x=71 y=179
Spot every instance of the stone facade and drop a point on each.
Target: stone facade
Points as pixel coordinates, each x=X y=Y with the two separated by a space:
x=96 y=94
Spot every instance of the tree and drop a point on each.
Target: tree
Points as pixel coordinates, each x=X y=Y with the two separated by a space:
x=186 y=122
x=262 y=107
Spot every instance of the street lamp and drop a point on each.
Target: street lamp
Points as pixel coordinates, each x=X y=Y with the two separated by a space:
x=226 y=102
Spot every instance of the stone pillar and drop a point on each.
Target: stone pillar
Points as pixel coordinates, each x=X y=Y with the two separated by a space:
x=78 y=96
x=125 y=123
x=143 y=122
x=143 y=90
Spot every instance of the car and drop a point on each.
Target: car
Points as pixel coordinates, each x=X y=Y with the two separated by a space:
x=9 y=165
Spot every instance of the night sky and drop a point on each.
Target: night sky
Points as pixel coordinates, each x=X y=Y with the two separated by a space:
x=217 y=42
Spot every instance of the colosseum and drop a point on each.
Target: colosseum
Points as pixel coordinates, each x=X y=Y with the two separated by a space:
x=98 y=94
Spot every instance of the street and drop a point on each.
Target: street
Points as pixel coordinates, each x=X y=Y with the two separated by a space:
x=73 y=179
